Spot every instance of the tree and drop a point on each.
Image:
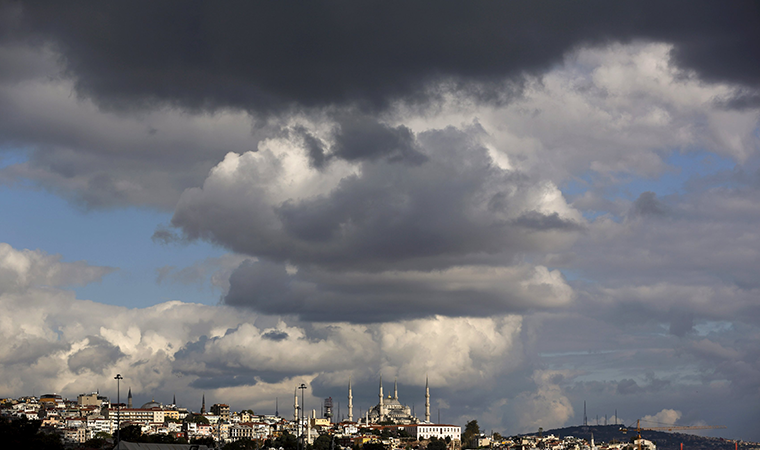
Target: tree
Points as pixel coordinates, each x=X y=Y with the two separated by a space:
x=25 y=433
x=103 y=435
x=436 y=444
x=374 y=446
x=208 y=441
x=197 y=418
x=131 y=433
x=96 y=444
x=471 y=431
x=286 y=441
x=323 y=442
x=241 y=444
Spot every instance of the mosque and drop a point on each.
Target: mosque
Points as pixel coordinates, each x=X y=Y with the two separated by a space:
x=389 y=409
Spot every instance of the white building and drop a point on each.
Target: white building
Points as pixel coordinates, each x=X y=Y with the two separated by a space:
x=250 y=430
x=75 y=435
x=137 y=415
x=98 y=424
x=433 y=430
x=645 y=444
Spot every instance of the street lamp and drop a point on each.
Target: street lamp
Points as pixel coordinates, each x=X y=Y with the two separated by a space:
x=302 y=387
x=118 y=378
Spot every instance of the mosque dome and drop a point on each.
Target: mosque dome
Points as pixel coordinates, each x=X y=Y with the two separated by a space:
x=151 y=404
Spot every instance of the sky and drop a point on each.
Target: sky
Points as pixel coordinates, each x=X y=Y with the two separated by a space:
x=534 y=204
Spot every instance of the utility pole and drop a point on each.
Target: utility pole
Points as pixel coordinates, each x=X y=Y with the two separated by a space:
x=118 y=378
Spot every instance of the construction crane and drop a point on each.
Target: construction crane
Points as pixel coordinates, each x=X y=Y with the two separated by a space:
x=669 y=428
x=679 y=427
x=673 y=427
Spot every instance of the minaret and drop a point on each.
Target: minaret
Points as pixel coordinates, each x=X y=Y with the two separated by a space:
x=395 y=389
x=276 y=407
x=129 y=399
x=174 y=399
x=308 y=426
x=295 y=405
x=427 y=400
x=350 y=402
x=382 y=409
x=203 y=405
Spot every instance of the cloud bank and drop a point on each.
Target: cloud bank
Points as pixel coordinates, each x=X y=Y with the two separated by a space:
x=536 y=204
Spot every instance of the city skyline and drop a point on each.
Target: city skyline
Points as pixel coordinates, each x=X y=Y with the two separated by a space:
x=534 y=204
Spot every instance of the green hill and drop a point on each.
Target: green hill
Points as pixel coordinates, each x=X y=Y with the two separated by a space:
x=663 y=440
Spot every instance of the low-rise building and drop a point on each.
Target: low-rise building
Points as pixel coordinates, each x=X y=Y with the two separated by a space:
x=137 y=415
x=249 y=430
x=52 y=401
x=433 y=430
x=222 y=410
x=645 y=444
x=100 y=424
x=77 y=435
x=89 y=399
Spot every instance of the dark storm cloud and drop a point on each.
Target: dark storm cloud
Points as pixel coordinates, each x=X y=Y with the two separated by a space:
x=268 y=55
x=537 y=221
x=214 y=371
x=681 y=322
x=164 y=235
x=365 y=138
x=97 y=356
x=628 y=387
x=706 y=249
x=315 y=148
x=356 y=297
x=265 y=286
x=361 y=137
x=275 y=335
x=102 y=160
x=430 y=215
x=732 y=355
x=670 y=293
x=741 y=100
x=29 y=351
x=647 y=205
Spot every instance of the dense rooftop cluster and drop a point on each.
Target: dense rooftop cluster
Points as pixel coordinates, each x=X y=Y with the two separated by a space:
x=93 y=416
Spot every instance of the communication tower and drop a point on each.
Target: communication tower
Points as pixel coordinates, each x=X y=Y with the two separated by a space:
x=328 y=408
